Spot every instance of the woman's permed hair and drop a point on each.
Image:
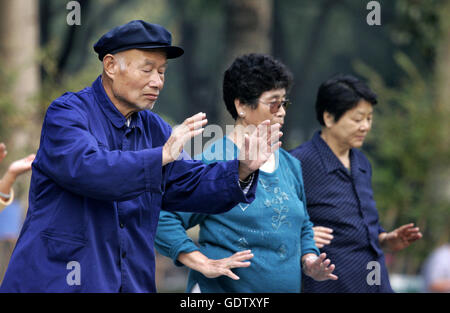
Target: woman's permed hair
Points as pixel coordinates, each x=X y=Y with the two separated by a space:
x=250 y=76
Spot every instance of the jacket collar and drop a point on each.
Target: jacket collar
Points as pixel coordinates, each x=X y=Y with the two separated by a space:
x=330 y=160
x=110 y=110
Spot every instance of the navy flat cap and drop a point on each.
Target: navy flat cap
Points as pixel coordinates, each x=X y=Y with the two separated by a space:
x=137 y=34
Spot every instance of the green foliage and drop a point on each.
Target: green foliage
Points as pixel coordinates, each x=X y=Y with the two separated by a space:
x=408 y=151
x=315 y=39
x=54 y=85
x=416 y=25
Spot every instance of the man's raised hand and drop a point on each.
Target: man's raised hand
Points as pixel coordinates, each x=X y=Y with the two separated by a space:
x=258 y=147
x=181 y=134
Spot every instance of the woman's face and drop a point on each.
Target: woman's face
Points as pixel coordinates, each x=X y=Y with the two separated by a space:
x=353 y=127
x=263 y=111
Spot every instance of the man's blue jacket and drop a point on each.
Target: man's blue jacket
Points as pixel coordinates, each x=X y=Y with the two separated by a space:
x=96 y=191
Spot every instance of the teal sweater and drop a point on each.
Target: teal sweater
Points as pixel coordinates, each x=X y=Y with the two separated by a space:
x=275 y=226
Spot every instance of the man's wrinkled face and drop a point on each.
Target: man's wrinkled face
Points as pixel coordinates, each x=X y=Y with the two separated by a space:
x=140 y=78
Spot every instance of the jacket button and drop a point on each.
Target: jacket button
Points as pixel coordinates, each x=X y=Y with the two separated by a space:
x=121 y=225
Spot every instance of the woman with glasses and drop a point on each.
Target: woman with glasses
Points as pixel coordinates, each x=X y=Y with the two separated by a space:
x=267 y=243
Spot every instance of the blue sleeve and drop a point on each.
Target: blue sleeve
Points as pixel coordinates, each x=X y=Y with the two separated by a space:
x=307 y=240
x=70 y=155
x=204 y=188
x=193 y=186
x=171 y=238
x=308 y=243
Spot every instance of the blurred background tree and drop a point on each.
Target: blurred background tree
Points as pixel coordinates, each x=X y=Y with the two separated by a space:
x=19 y=77
x=406 y=60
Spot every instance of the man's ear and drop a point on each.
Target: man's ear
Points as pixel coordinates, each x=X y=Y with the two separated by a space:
x=110 y=66
x=328 y=119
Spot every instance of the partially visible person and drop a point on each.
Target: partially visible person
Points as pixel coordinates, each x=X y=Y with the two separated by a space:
x=10 y=211
x=3 y=151
x=338 y=186
x=11 y=220
x=436 y=270
x=14 y=170
x=273 y=232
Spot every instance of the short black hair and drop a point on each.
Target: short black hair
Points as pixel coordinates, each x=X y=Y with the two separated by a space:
x=251 y=75
x=340 y=94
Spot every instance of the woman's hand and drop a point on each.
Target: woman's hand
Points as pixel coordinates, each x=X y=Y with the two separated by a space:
x=400 y=238
x=322 y=236
x=21 y=166
x=317 y=267
x=3 y=151
x=215 y=268
x=15 y=169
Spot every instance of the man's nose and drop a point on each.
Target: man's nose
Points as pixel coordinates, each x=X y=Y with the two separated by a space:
x=156 y=81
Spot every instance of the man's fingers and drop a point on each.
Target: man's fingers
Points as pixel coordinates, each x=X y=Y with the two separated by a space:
x=275 y=147
x=410 y=231
x=405 y=227
x=263 y=138
x=194 y=133
x=195 y=118
x=264 y=125
x=275 y=138
x=414 y=237
x=246 y=147
x=191 y=132
x=197 y=124
x=261 y=130
x=275 y=133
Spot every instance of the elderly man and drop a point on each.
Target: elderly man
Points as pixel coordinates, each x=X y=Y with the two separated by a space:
x=105 y=168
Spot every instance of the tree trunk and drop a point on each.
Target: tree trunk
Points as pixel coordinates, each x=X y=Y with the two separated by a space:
x=248 y=29
x=19 y=33
x=442 y=68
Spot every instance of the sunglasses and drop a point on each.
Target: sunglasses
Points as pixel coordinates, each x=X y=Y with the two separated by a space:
x=275 y=105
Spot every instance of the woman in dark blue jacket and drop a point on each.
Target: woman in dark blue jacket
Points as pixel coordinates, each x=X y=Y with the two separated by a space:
x=337 y=178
